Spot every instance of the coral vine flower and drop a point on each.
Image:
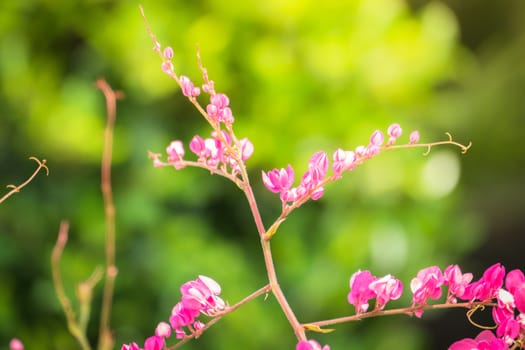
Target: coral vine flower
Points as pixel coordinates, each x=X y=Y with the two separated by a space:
x=218 y=109
x=279 y=180
x=132 y=346
x=311 y=186
x=16 y=344
x=188 y=89
x=360 y=292
x=457 y=282
x=488 y=285
x=427 y=284
x=310 y=345
x=386 y=288
x=246 y=148
x=154 y=343
x=486 y=340
x=198 y=296
x=414 y=137
x=343 y=160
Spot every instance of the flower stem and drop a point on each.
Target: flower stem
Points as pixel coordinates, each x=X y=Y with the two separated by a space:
x=268 y=261
x=105 y=336
x=400 y=311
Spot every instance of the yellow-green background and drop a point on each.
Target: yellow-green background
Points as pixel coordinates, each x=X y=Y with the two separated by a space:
x=302 y=76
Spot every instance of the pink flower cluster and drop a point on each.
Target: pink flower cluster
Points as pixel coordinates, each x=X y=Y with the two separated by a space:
x=486 y=340
x=505 y=294
x=200 y=296
x=364 y=286
x=429 y=281
x=222 y=151
x=213 y=153
x=310 y=345
x=313 y=180
x=508 y=313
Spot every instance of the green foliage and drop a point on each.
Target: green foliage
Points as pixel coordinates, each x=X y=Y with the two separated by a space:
x=301 y=76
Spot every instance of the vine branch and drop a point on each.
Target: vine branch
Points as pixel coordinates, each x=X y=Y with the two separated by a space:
x=15 y=189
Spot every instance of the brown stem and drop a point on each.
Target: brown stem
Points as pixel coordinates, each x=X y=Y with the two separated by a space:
x=72 y=324
x=400 y=311
x=105 y=337
x=15 y=189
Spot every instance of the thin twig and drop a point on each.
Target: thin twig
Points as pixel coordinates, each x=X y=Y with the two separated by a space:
x=72 y=324
x=105 y=337
x=400 y=311
x=15 y=189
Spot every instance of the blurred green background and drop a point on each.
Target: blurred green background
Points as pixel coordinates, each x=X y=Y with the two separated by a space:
x=302 y=76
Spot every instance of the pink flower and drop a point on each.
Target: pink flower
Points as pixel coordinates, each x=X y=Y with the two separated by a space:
x=414 y=137
x=377 y=138
x=508 y=330
x=293 y=194
x=456 y=281
x=202 y=295
x=154 y=343
x=319 y=161
x=360 y=151
x=167 y=67
x=188 y=89
x=343 y=160
x=519 y=298
x=218 y=109
x=213 y=151
x=310 y=345
x=514 y=279
x=220 y=101
x=360 y=291
x=484 y=341
x=182 y=316
x=487 y=286
x=246 y=148
x=175 y=151
x=16 y=344
x=168 y=53
x=386 y=288
x=427 y=284
x=132 y=346
x=279 y=180
x=394 y=130
x=198 y=147
x=163 y=330
x=515 y=283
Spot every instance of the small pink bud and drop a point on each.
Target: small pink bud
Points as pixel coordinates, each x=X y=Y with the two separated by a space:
x=168 y=53
x=209 y=87
x=414 y=137
x=167 y=67
x=16 y=344
x=132 y=346
x=175 y=151
x=377 y=138
x=163 y=330
x=246 y=148
x=154 y=343
x=220 y=100
x=343 y=160
x=319 y=161
x=197 y=146
x=360 y=151
x=394 y=130
x=188 y=89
